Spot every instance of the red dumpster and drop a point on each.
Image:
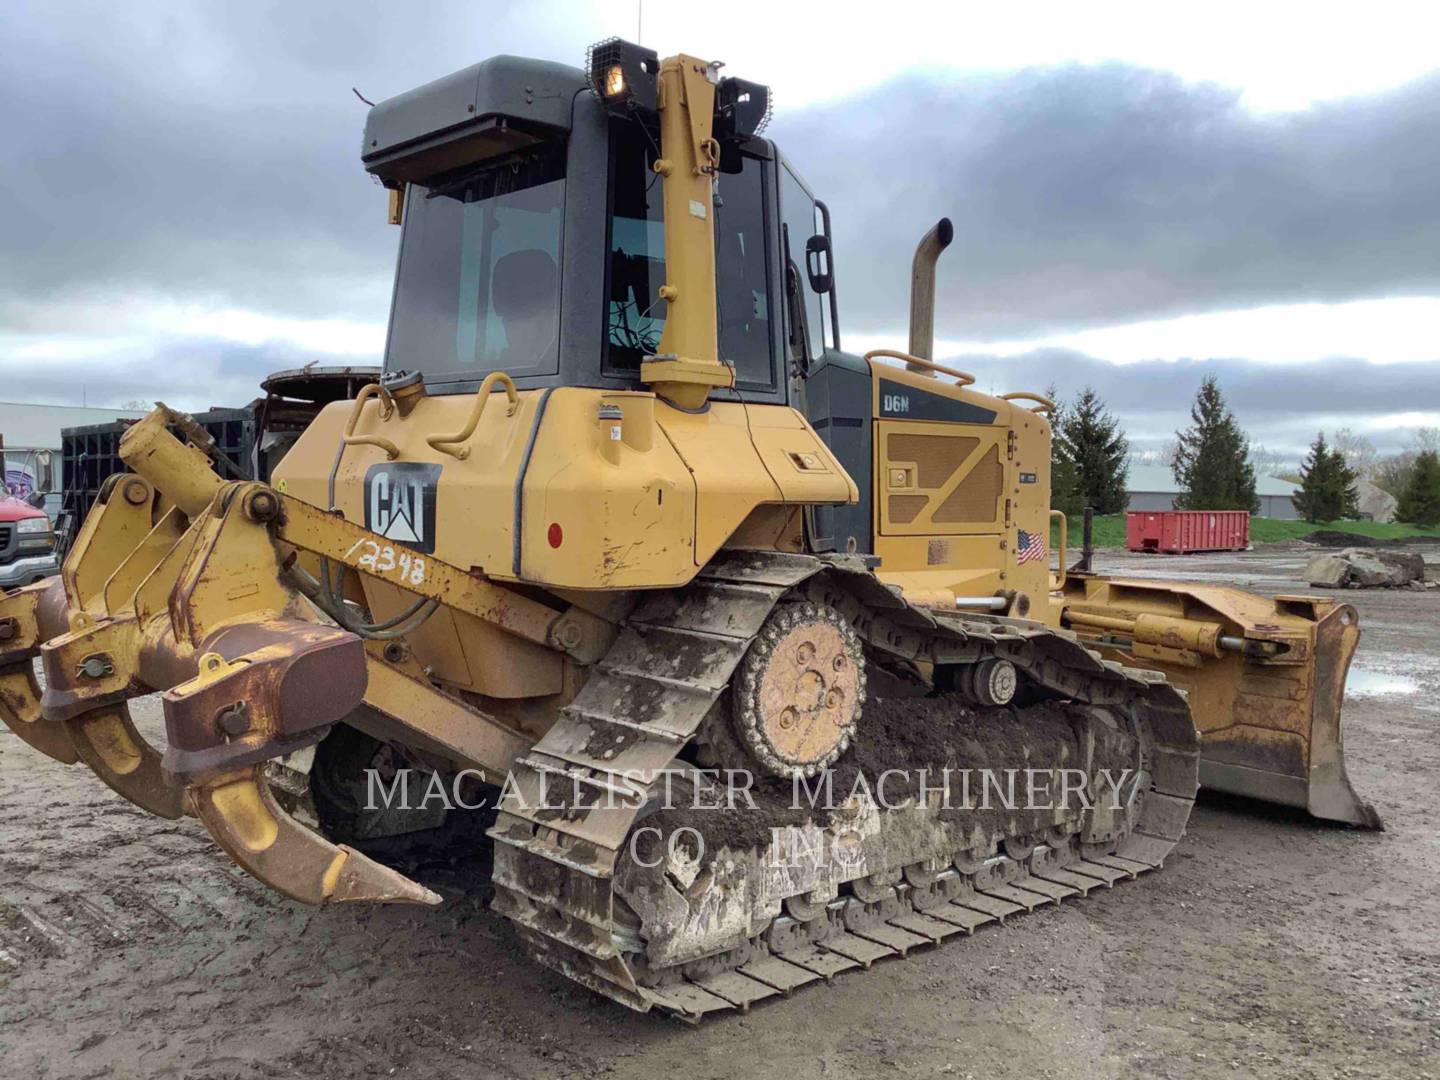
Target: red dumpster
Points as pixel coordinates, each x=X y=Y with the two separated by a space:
x=1180 y=531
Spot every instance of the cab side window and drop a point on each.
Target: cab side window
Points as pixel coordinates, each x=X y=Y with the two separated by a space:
x=742 y=288
x=635 y=314
x=799 y=222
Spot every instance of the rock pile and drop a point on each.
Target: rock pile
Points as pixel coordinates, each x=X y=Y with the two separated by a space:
x=1357 y=569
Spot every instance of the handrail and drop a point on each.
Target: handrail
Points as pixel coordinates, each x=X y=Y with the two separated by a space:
x=963 y=378
x=482 y=396
x=1046 y=405
x=351 y=439
x=1057 y=581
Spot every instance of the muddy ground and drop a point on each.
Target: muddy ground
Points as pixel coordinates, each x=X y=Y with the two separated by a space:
x=1269 y=946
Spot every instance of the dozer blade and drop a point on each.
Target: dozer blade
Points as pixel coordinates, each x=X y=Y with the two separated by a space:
x=106 y=740
x=1265 y=677
x=20 y=711
x=1329 y=793
x=242 y=815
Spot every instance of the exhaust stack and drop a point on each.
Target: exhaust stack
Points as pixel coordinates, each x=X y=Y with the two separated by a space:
x=922 y=292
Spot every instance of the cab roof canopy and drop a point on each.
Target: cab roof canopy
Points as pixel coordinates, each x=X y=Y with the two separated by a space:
x=497 y=105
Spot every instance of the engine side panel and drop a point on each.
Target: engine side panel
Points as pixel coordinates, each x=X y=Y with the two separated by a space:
x=562 y=491
x=962 y=489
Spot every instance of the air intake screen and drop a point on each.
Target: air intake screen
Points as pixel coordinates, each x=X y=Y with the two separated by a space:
x=977 y=496
x=905 y=508
x=936 y=456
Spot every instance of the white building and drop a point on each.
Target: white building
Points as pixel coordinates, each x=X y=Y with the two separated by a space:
x=1153 y=487
x=30 y=440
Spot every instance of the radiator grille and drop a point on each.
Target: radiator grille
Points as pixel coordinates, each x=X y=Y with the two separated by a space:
x=936 y=457
x=905 y=508
x=977 y=497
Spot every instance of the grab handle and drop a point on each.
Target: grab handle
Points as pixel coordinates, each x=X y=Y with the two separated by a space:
x=1045 y=404
x=964 y=378
x=1057 y=580
x=447 y=444
x=351 y=439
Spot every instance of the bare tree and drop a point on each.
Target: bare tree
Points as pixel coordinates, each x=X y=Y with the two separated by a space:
x=1359 y=452
x=1392 y=474
x=1164 y=454
x=1425 y=439
x=1155 y=455
x=1270 y=462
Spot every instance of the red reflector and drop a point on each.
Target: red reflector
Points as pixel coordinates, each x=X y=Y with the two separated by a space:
x=556 y=536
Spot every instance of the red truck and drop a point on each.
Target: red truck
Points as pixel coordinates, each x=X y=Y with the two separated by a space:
x=27 y=543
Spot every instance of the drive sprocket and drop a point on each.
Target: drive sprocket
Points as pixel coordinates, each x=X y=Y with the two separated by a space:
x=799 y=692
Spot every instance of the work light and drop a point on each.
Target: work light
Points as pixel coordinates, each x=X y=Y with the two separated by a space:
x=623 y=76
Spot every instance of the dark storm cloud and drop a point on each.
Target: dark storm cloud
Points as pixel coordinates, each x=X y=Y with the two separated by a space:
x=189 y=374
x=212 y=151
x=1281 y=406
x=209 y=153
x=1092 y=195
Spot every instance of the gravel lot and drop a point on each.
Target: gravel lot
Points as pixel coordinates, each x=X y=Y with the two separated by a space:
x=1269 y=946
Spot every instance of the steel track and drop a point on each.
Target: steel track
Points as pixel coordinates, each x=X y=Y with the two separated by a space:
x=555 y=859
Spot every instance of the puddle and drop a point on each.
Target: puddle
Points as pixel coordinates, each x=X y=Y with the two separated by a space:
x=1364 y=683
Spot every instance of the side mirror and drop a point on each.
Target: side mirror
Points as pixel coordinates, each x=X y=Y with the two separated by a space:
x=36 y=499
x=817 y=263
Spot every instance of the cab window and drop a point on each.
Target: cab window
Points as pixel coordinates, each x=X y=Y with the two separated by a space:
x=799 y=222
x=635 y=314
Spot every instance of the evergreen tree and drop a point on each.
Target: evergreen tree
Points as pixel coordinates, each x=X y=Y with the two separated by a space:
x=1093 y=444
x=1212 y=457
x=1327 y=485
x=1420 y=502
x=1347 y=479
x=1064 y=487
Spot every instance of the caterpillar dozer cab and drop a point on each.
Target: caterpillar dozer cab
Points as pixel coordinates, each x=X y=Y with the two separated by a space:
x=621 y=512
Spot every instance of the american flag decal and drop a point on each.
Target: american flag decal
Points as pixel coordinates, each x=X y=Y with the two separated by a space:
x=1029 y=547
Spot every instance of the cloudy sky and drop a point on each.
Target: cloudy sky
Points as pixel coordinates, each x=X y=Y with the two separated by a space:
x=1141 y=193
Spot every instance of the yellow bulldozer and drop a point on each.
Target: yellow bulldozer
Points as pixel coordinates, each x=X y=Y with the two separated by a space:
x=622 y=514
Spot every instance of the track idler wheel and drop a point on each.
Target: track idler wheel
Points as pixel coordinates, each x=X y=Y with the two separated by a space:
x=987 y=684
x=242 y=815
x=800 y=690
